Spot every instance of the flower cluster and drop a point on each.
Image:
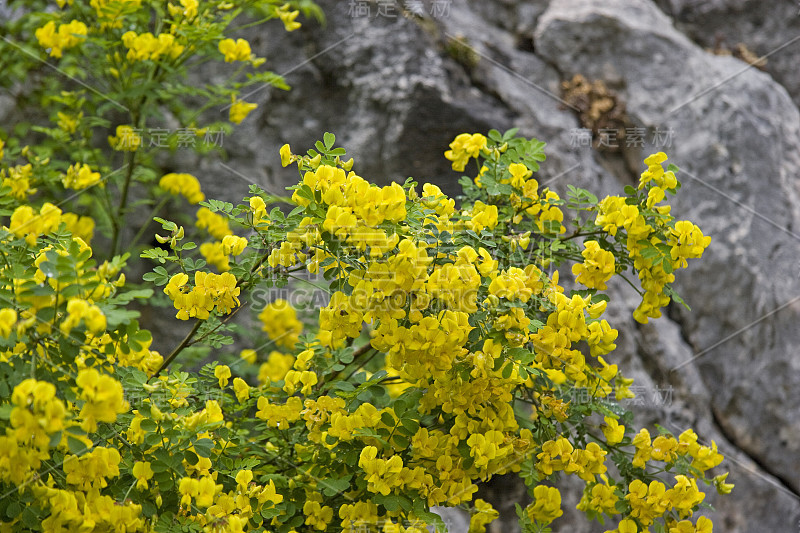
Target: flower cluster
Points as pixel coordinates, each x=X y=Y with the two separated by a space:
x=65 y=36
x=456 y=338
x=210 y=293
x=80 y=177
x=146 y=46
x=657 y=243
x=463 y=148
x=184 y=184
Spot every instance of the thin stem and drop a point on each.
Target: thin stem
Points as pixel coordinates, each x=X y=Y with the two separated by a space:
x=362 y=365
x=320 y=287
x=149 y=220
x=216 y=328
x=116 y=221
x=356 y=354
x=178 y=349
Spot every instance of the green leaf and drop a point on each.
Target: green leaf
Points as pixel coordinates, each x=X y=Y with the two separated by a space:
x=190 y=457
x=148 y=426
x=329 y=138
x=388 y=419
x=332 y=487
x=410 y=425
x=75 y=446
x=203 y=447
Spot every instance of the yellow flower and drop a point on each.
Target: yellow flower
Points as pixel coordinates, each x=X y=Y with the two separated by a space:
x=8 y=317
x=279 y=321
x=293 y=378
x=275 y=369
x=287 y=17
x=126 y=139
x=67 y=36
x=214 y=254
x=464 y=147
x=613 y=430
x=90 y=470
x=598 y=266
x=142 y=472
x=102 y=396
x=721 y=486
x=216 y=224
x=248 y=355
x=239 y=110
x=80 y=310
x=146 y=46
x=18 y=179
x=519 y=173
x=187 y=9
x=317 y=516
x=482 y=216
x=241 y=389
x=238 y=50
x=687 y=241
x=243 y=478
x=223 y=374
x=286 y=155
x=233 y=245
x=546 y=506
x=269 y=494
x=69 y=123
x=183 y=184
x=79 y=177
x=202 y=490
x=483 y=514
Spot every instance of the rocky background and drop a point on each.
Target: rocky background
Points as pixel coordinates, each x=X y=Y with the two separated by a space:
x=713 y=83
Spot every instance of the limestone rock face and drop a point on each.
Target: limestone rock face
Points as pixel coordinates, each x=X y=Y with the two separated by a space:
x=724 y=25
x=396 y=88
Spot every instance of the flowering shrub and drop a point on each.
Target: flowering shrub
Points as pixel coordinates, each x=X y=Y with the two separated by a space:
x=446 y=352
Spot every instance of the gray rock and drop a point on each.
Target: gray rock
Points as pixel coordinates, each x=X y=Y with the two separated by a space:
x=766 y=31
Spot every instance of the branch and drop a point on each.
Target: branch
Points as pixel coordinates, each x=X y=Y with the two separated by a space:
x=178 y=349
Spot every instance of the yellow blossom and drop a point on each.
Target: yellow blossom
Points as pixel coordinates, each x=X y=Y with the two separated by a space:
x=287 y=17
x=126 y=139
x=79 y=177
x=241 y=389
x=239 y=110
x=223 y=374
x=142 y=472
x=184 y=184
x=58 y=40
x=238 y=50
